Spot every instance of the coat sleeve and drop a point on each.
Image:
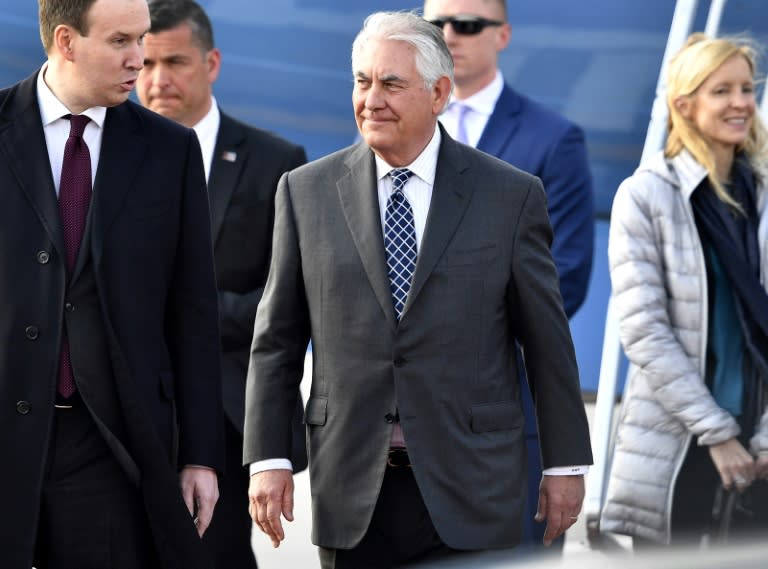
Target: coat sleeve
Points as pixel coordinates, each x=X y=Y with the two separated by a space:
x=639 y=281
x=280 y=339
x=194 y=328
x=541 y=326
x=568 y=183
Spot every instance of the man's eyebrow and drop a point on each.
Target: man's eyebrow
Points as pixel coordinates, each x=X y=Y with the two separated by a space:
x=391 y=78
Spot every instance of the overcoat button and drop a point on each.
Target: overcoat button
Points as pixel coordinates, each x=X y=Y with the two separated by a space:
x=23 y=407
x=31 y=332
x=43 y=257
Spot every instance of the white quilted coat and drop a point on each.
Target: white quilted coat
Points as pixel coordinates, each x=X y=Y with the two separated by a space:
x=660 y=293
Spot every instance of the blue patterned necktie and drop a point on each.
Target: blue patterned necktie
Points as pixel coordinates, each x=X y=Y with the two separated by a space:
x=399 y=240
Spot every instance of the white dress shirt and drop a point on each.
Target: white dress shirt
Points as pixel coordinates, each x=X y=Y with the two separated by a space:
x=207 y=130
x=480 y=108
x=56 y=129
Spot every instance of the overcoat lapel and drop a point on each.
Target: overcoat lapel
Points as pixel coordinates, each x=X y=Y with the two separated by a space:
x=451 y=195
x=122 y=152
x=502 y=124
x=226 y=167
x=360 y=203
x=23 y=143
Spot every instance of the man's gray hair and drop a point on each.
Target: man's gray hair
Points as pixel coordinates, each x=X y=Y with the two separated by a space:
x=433 y=59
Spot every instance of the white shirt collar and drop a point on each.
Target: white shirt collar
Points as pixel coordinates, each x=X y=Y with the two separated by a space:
x=52 y=109
x=423 y=166
x=484 y=101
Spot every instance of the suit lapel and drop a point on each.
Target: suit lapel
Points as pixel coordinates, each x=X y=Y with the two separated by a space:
x=451 y=196
x=22 y=141
x=360 y=203
x=226 y=166
x=122 y=151
x=502 y=124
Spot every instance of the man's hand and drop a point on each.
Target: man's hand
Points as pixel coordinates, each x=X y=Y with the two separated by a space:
x=270 y=493
x=560 y=499
x=200 y=488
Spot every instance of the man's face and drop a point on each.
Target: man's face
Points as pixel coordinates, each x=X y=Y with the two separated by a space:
x=395 y=113
x=177 y=76
x=107 y=61
x=474 y=56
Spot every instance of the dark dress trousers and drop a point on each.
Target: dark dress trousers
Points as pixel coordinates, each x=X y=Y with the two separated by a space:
x=140 y=309
x=547 y=145
x=484 y=280
x=247 y=164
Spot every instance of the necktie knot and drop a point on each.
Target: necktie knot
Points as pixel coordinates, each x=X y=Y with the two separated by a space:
x=77 y=124
x=399 y=178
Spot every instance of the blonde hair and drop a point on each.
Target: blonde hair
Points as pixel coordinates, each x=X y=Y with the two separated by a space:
x=688 y=69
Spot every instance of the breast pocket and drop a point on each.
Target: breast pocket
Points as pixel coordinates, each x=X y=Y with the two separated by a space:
x=471 y=256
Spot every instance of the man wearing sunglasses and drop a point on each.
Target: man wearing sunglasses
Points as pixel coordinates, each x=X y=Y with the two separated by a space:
x=485 y=112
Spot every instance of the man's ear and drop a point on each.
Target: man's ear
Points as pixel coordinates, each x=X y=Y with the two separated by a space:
x=213 y=59
x=64 y=41
x=440 y=93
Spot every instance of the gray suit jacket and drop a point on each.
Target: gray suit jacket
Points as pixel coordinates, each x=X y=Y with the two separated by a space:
x=484 y=278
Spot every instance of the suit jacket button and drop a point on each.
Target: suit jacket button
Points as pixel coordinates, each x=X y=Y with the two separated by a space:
x=389 y=418
x=69 y=307
x=23 y=407
x=31 y=332
x=43 y=257
x=399 y=362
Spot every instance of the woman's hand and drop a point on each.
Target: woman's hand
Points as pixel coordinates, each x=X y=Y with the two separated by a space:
x=734 y=463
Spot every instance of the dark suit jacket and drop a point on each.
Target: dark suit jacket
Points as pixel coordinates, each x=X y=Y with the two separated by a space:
x=153 y=267
x=247 y=164
x=545 y=144
x=484 y=279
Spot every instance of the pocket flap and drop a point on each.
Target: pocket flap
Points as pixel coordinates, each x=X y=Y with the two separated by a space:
x=316 y=411
x=497 y=416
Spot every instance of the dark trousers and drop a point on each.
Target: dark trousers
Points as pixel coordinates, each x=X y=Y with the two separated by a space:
x=91 y=516
x=400 y=530
x=229 y=535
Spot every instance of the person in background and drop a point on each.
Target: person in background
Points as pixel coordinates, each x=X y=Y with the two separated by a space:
x=110 y=361
x=416 y=265
x=688 y=252
x=486 y=113
x=243 y=165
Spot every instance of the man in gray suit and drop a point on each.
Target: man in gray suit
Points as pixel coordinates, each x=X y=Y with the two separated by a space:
x=415 y=264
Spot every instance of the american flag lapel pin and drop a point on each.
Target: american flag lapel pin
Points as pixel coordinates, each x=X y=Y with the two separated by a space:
x=229 y=156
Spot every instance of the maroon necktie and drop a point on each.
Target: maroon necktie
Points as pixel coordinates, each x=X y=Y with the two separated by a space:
x=74 y=197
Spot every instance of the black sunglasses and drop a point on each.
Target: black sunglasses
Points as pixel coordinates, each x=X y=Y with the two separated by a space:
x=465 y=25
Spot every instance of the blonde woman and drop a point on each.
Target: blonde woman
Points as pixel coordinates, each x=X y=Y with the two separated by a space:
x=688 y=251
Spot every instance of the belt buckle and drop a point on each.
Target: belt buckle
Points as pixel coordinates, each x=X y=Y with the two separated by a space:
x=398 y=458
x=63 y=406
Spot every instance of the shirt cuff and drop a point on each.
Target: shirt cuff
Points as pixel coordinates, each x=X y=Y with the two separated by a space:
x=270 y=464
x=566 y=470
